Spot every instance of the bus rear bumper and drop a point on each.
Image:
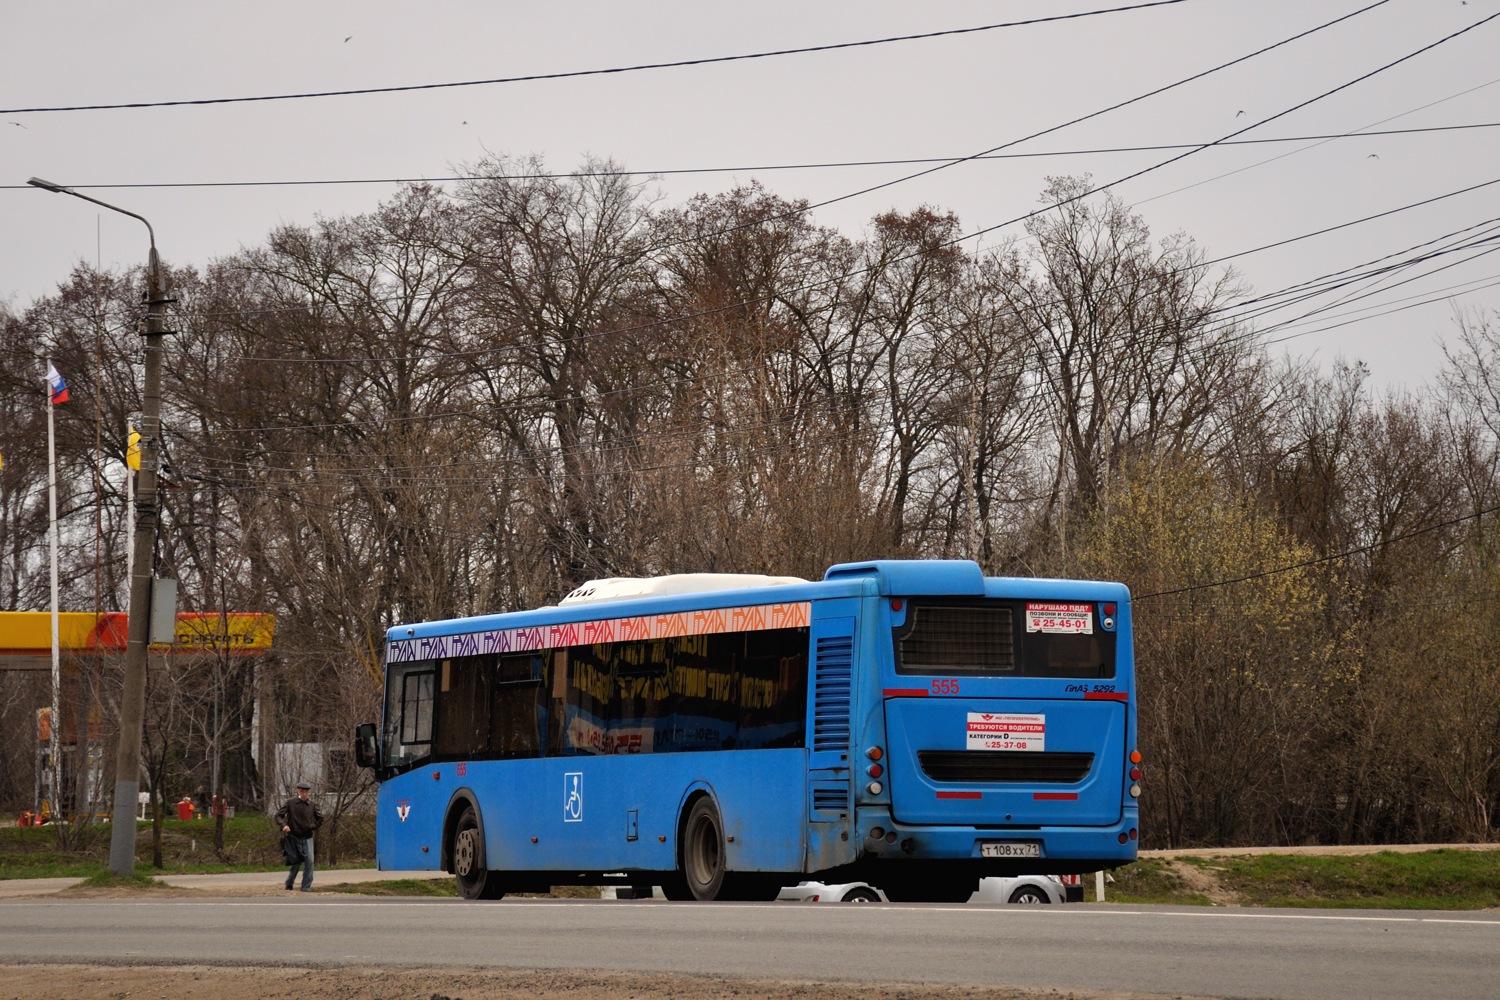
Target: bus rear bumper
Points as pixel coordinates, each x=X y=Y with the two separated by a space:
x=1008 y=851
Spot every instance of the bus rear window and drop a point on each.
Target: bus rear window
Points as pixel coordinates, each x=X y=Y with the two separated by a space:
x=992 y=639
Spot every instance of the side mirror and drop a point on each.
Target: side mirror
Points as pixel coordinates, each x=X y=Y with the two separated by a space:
x=366 y=748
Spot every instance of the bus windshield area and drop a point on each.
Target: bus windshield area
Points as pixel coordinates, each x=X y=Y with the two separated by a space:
x=1004 y=638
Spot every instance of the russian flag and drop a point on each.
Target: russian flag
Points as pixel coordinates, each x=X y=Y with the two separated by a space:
x=58 y=386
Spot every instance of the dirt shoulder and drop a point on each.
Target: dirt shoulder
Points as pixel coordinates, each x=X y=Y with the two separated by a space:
x=203 y=982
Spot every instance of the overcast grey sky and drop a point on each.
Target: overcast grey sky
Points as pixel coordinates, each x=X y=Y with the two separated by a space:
x=950 y=96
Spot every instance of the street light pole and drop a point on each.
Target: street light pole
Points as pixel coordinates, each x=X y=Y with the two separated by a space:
x=138 y=633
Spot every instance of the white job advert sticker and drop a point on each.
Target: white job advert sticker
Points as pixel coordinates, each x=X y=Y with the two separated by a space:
x=1048 y=616
x=992 y=731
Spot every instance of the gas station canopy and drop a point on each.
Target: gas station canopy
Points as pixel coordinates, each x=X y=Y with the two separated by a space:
x=26 y=636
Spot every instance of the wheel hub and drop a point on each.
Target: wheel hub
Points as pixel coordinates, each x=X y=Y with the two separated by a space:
x=463 y=853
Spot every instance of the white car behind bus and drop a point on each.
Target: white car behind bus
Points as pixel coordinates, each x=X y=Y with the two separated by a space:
x=1021 y=889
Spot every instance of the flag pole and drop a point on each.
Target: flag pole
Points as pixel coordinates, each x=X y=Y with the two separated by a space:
x=54 y=807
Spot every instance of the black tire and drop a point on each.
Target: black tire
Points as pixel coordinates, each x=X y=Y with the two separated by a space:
x=931 y=891
x=750 y=887
x=702 y=851
x=675 y=887
x=1029 y=895
x=475 y=881
x=861 y=894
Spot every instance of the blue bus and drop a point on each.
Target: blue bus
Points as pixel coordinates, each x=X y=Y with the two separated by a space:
x=912 y=724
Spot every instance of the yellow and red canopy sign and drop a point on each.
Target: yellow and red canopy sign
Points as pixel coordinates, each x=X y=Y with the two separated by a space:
x=26 y=636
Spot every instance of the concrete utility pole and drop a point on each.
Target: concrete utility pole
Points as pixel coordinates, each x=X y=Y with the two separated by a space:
x=138 y=633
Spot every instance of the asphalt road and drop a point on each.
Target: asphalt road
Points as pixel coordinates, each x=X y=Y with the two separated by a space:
x=1360 y=955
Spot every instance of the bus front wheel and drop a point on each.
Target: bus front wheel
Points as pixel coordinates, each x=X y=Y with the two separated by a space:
x=703 y=851
x=475 y=880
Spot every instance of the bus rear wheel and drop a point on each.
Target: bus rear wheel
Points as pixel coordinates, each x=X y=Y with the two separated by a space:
x=703 y=851
x=475 y=881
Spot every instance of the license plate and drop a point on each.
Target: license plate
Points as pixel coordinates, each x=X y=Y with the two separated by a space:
x=1010 y=849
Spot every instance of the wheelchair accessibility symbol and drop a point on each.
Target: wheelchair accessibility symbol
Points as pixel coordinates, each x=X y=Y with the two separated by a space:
x=573 y=797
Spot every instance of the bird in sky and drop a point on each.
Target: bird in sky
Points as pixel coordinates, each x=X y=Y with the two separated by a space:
x=1373 y=156
x=346 y=39
x=19 y=125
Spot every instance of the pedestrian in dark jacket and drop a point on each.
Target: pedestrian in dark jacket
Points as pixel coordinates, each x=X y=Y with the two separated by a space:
x=300 y=819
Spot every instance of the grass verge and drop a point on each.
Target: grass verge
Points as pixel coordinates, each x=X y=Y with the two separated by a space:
x=401 y=887
x=1149 y=881
x=82 y=851
x=1423 y=880
x=109 y=880
x=1428 y=880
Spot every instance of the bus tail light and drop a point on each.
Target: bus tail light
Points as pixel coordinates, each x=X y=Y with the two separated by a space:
x=875 y=770
x=1135 y=756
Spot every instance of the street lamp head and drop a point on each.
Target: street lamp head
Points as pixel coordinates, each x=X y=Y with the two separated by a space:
x=59 y=189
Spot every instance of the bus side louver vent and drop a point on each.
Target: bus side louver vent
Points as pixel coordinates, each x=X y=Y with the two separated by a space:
x=830 y=798
x=1005 y=765
x=831 y=697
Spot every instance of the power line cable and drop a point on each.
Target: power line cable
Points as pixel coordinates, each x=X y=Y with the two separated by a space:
x=1112 y=184
x=765 y=167
x=1206 y=263
x=1308 y=291
x=805 y=209
x=1306 y=563
x=1447 y=294
x=1265 y=303
x=1304 y=104
x=574 y=74
x=691 y=433
x=1191 y=151
x=1323 y=141
x=1232 y=314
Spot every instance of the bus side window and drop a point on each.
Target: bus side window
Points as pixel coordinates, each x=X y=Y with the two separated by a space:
x=773 y=689
x=463 y=691
x=641 y=703
x=555 y=683
x=517 y=710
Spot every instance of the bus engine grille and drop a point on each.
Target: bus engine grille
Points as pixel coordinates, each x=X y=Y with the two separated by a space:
x=1005 y=765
